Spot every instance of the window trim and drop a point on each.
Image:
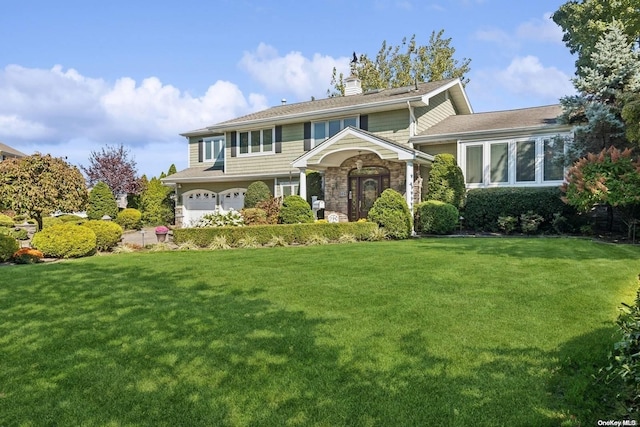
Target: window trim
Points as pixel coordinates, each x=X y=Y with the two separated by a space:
x=326 y=127
x=262 y=152
x=539 y=161
x=280 y=183
x=211 y=141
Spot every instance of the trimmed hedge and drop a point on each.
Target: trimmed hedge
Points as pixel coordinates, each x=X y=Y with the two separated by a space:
x=129 y=219
x=65 y=241
x=291 y=233
x=484 y=206
x=446 y=182
x=108 y=233
x=6 y=221
x=436 y=217
x=295 y=210
x=8 y=246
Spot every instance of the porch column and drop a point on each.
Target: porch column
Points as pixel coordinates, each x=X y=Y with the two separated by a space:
x=303 y=183
x=409 y=185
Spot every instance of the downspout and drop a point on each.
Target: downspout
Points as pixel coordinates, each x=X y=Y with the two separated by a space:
x=412 y=123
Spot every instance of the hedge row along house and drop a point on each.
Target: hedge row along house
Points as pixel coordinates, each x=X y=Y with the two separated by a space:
x=364 y=143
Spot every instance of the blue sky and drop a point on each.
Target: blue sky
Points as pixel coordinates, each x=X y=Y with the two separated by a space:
x=77 y=75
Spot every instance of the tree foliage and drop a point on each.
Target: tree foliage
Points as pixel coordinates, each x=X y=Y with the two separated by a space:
x=113 y=166
x=256 y=192
x=585 y=21
x=446 y=181
x=156 y=204
x=403 y=65
x=101 y=202
x=604 y=87
x=41 y=184
x=611 y=177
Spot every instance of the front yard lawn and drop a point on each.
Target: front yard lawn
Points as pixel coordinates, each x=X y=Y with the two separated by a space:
x=422 y=332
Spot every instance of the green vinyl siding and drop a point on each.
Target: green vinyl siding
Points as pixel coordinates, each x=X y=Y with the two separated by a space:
x=393 y=125
x=450 y=147
x=439 y=109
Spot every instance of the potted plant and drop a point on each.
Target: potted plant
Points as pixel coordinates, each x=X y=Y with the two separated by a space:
x=161 y=233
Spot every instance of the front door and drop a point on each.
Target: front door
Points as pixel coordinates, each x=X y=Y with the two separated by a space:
x=364 y=188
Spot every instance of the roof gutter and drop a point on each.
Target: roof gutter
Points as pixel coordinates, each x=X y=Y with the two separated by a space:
x=488 y=133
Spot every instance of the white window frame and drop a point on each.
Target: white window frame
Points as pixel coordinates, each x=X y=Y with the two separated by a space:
x=326 y=128
x=262 y=151
x=539 y=180
x=211 y=141
x=280 y=184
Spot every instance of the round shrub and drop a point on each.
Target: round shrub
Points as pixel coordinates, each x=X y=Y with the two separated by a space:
x=436 y=217
x=72 y=218
x=16 y=233
x=108 y=233
x=101 y=202
x=65 y=241
x=27 y=256
x=8 y=246
x=446 y=181
x=391 y=212
x=295 y=210
x=254 y=216
x=6 y=221
x=256 y=192
x=130 y=219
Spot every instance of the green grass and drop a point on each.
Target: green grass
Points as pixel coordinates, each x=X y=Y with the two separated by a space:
x=452 y=332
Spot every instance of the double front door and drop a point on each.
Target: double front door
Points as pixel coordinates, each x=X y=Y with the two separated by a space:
x=365 y=187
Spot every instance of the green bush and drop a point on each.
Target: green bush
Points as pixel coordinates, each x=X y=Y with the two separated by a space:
x=391 y=212
x=507 y=223
x=129 y=219
x=436 y=217
x=485 y=206
x=6 y=221
x=72 y=218
x=8 y=246
x=530 y=222
x=295 y=210
x=263 y=234
x=256 y=192
x=65 y=241
x=101 y=202
x=156 y=203
x=314 y=186
x=446 y=182
x=108 y=233
x=16 y=233
x=48 y=221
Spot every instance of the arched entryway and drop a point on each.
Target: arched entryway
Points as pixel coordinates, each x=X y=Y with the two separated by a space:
x=365 y=186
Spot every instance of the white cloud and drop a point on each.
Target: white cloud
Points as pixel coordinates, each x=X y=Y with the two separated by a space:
x=292 y=73
x=495 y=35
x=527 y=76
x=67 y=114
x=544 y=30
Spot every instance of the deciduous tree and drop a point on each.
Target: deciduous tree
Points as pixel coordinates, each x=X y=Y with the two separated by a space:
x=41 y=184
x=403 y=65
x=113 y=166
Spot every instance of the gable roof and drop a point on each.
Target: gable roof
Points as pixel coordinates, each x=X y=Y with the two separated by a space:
x=11 y=152
x=371 y=101
x=524 y=119
x=370 y=142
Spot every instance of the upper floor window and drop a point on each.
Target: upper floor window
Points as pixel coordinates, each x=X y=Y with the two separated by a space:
x=256 y=141
x=532 y=161
x=213 y=149
x=323 y=130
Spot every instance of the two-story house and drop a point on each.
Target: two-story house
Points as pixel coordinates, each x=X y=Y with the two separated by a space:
x=364 y=143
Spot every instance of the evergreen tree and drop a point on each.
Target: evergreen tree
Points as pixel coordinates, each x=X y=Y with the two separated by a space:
x=172 y=169
x=602 y=87
x=155 y=203
x=446 y=181
x=101 y=202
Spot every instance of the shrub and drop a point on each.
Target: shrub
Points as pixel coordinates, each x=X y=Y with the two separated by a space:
x=446 y=182
x=8 y=246
x=625 y=359
x=436 y=217
x=485 y=206
x=529 y=222
x=16 y=233
x=101 y=202
x=507 y=223
x=108 y=233
x=218 y=219
x=75 y=219
x=48 y=221
x=272 y=208
x=314 y=186
x=254 y=216
x=27 y=256
x=65 y=241
x=6 y=221
x=256 y=192
x=156 y=204
x=219 y=242
x=291 y=233
x=391 y=212
x=129 y=219
x=295 y=210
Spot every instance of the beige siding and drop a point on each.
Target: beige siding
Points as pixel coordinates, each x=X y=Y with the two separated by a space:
x=193 y=151
x=449 y=147
x=393 y=125
x=439 y=109
x=349 y=143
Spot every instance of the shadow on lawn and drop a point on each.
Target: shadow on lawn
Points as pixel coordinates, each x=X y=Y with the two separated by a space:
x=152 y=350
